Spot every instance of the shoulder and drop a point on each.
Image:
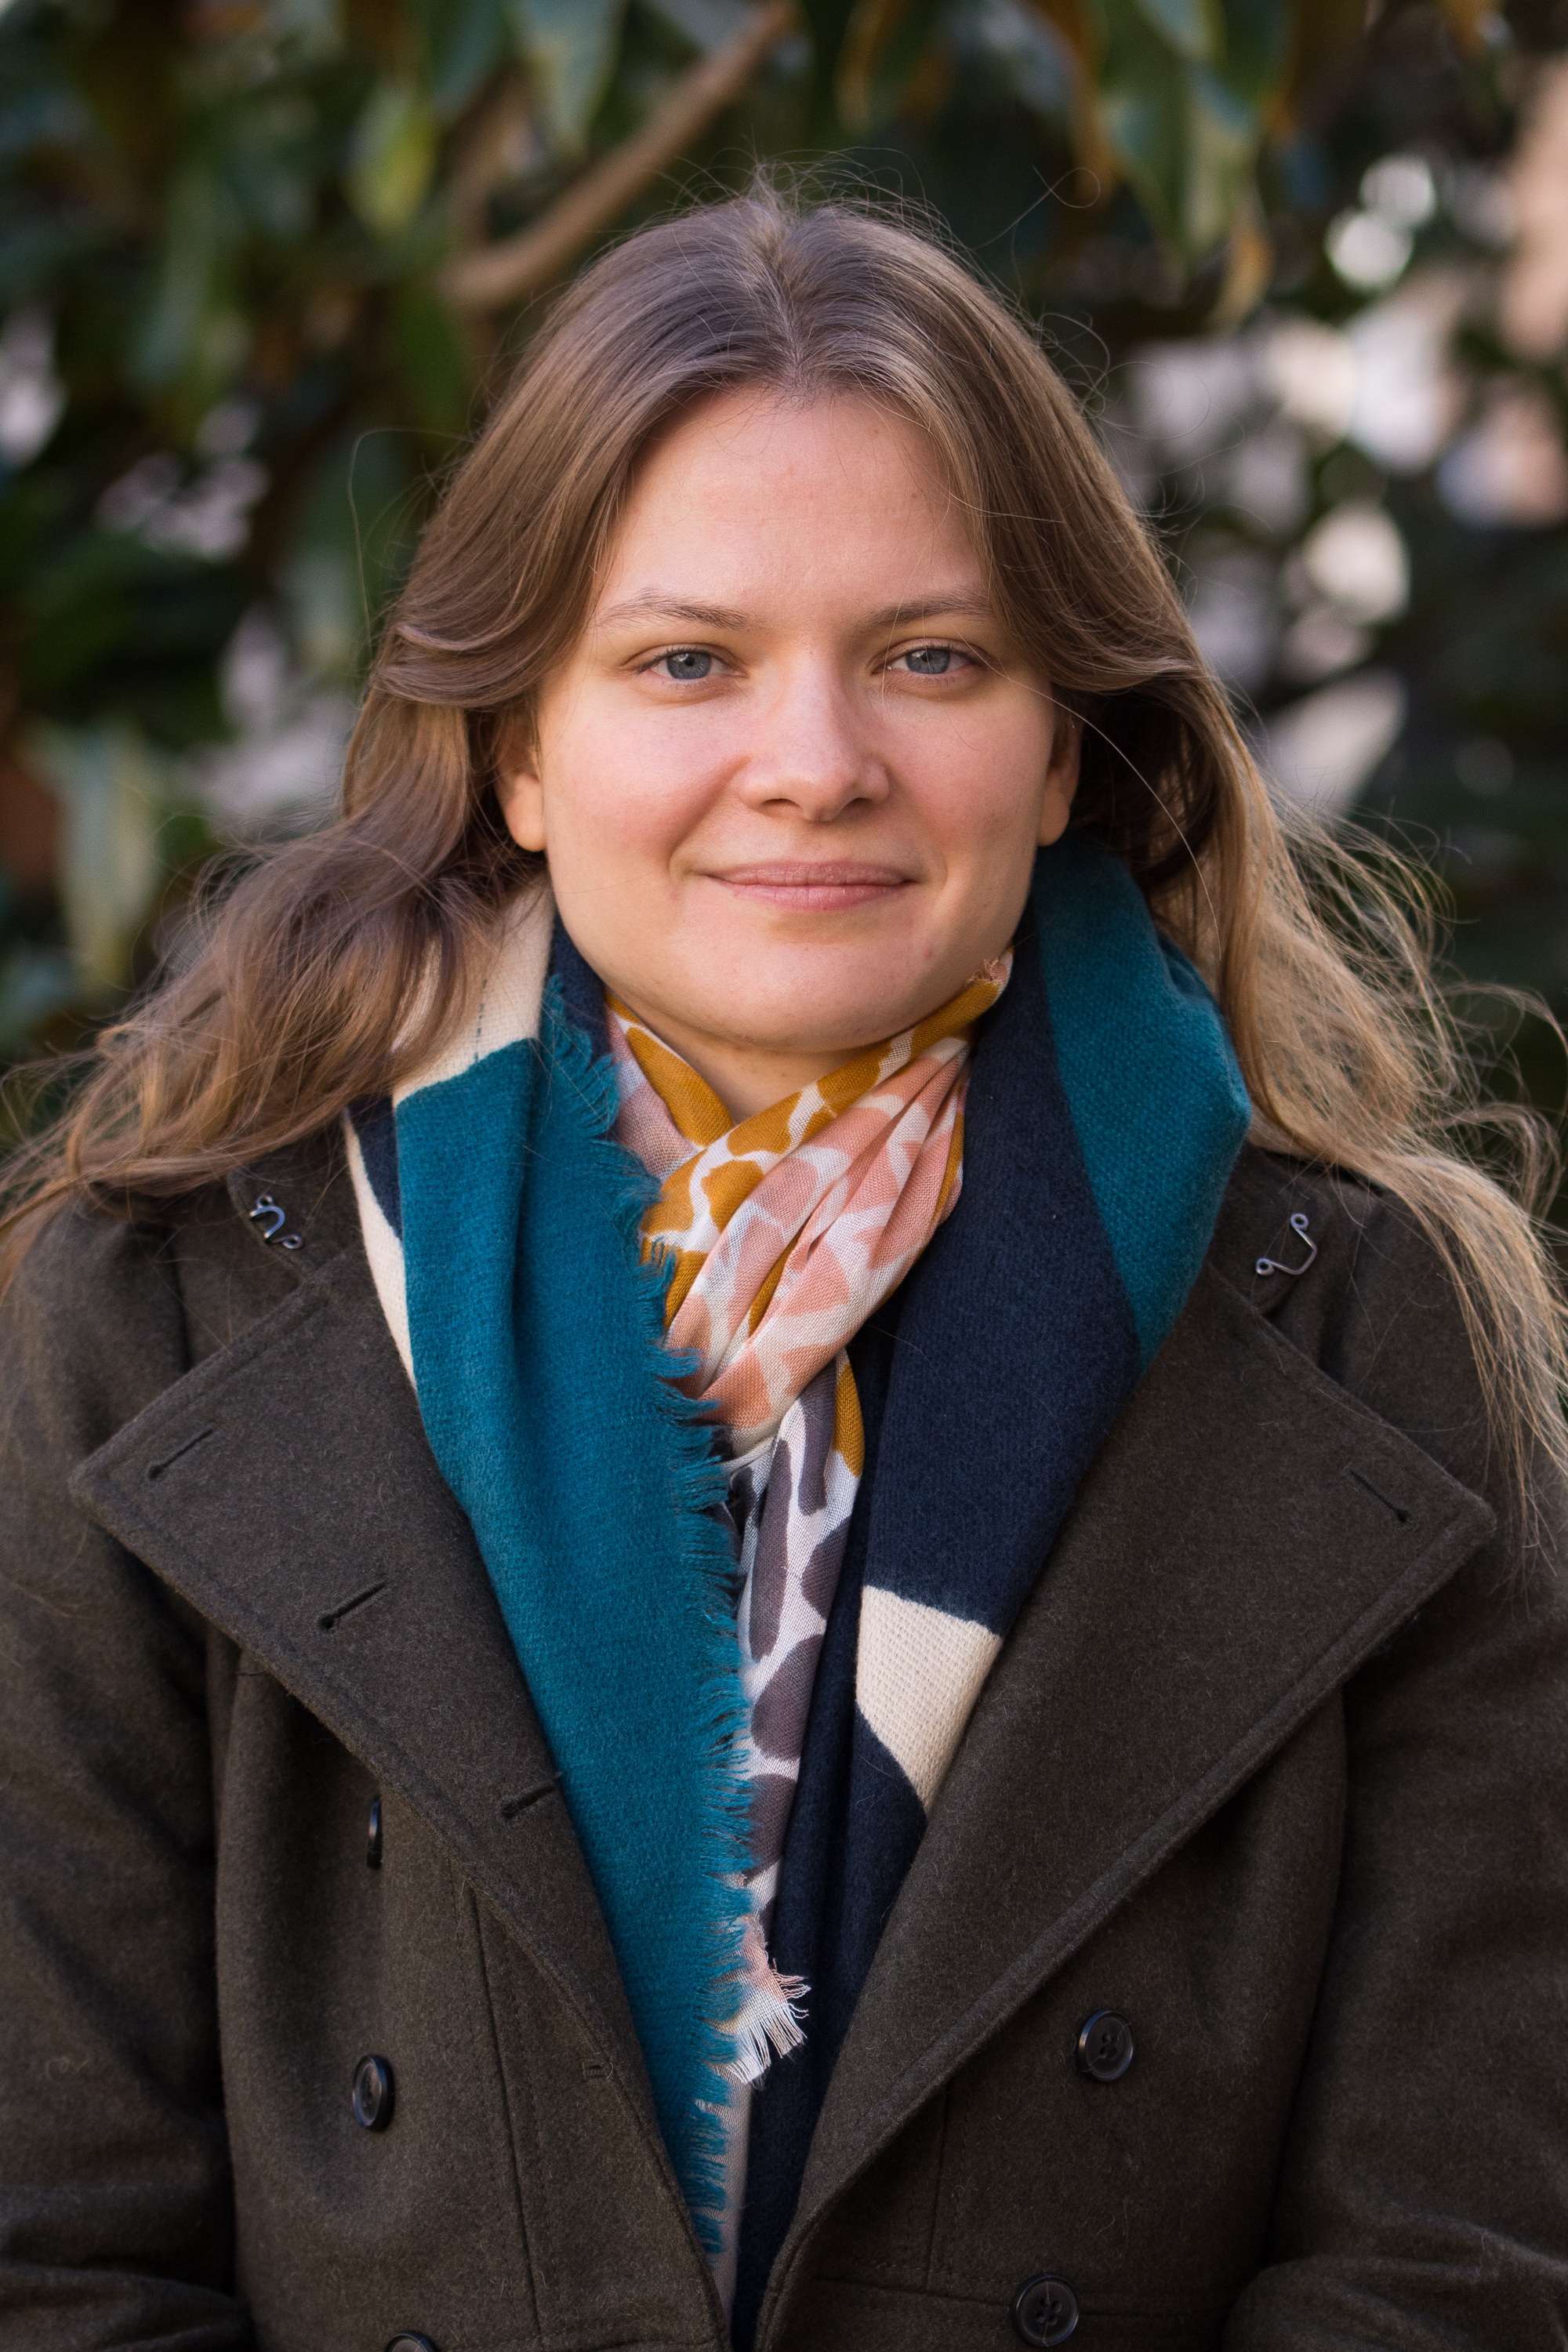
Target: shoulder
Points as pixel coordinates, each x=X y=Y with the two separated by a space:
x=1344 y=1272
x=104 y=1312
x=91 y=1328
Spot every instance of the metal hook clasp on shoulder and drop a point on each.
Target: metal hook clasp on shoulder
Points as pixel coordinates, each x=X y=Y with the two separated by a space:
x=266 y=1206
x=1272 y=1265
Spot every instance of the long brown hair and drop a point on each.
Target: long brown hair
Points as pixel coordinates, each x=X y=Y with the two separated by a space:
x=309 y=988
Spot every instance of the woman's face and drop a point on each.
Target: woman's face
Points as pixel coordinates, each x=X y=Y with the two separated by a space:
x=791 y=779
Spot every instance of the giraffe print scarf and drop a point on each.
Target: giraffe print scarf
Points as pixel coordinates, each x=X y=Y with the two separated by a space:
x=786 y=1231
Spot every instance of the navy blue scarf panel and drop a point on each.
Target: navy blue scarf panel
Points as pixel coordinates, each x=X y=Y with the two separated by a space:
x=1015 y=1340
x=581 y=992
x=817 y=1910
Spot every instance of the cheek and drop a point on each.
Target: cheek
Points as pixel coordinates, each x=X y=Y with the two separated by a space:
x=982 y=781
x=620 y=795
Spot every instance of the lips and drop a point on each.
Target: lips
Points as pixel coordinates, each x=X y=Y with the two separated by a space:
x=810 y=887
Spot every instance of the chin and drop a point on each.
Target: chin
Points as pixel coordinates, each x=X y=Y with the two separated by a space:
x=811 y=1027
x=822 y=993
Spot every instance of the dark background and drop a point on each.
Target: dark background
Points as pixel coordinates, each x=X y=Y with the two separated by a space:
x=263 y=262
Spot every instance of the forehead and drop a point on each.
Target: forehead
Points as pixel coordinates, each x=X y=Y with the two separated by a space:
x=751 y=484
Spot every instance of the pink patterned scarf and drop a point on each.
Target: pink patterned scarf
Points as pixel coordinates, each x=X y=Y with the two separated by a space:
x=787 y=1231
x=790 y=1228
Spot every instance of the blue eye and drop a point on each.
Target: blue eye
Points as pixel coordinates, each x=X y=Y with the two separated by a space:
x=685 y=664
x=928 y=661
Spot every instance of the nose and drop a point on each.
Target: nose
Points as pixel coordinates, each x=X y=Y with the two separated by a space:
x=809 y=750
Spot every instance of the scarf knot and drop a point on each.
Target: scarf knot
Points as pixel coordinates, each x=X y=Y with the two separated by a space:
x=787 y=1229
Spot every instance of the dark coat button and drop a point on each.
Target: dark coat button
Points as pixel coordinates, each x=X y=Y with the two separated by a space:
x=411 y=2344
x=1044 y=2310
x=373 y=1842
x=373 y=2094
x=1104 y=2050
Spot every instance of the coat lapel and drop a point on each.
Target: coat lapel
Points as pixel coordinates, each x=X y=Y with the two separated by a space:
x=286 y=1488
x=1247 y=1535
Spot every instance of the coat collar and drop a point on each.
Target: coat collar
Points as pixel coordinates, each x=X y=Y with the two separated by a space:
x=1236 y=1467
x=236 y=1486
x=1238 y=1470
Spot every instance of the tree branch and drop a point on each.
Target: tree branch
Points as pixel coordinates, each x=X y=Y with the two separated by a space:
x=505 y=272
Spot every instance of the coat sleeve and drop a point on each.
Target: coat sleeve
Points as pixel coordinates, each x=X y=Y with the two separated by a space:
x=116 y=2209
x=1423 y=2199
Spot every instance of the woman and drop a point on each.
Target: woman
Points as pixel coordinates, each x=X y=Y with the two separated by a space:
x=754 y=1583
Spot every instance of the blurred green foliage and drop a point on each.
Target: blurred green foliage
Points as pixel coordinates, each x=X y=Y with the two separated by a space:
x=233 y=369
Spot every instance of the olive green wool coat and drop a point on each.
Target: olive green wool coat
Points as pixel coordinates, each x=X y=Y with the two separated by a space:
x=1274 y=1764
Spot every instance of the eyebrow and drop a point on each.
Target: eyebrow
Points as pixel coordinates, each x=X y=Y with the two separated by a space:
x=652 y=604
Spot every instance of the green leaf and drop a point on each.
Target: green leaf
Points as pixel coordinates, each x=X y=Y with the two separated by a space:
x=37 y=245
x=432 y=361
x=189 y=330
x=1142 y=107
x=325 y=610
x=354 y=538
x=266 y=149
x=1039 y=66
x=1145 y=127
x=36 y=108
x=883 y=47
x=315 y=25
x=570 y=46
x=465 y=40
x=392 y=157
x=180 y=295
x=1186 y=138
x=114 y=790
x=1257 y=47
x=34 y=982
x=1222 y=135
x=1189 y=26
x=707 y=25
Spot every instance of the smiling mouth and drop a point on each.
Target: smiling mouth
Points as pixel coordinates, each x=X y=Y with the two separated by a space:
x=814 y=888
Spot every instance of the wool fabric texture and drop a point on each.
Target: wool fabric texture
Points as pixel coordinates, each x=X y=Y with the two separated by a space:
x=502 y=1225
x=782 y=1232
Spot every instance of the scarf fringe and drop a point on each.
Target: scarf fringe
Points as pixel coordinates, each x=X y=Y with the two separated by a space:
x=695 y=2139
x=769 y=2024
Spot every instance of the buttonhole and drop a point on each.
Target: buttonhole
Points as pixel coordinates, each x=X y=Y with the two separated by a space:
x=511 y=1806
x=167 y=1460
x=1403 y=1516
x=330 y=1618
x=595 y=2070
